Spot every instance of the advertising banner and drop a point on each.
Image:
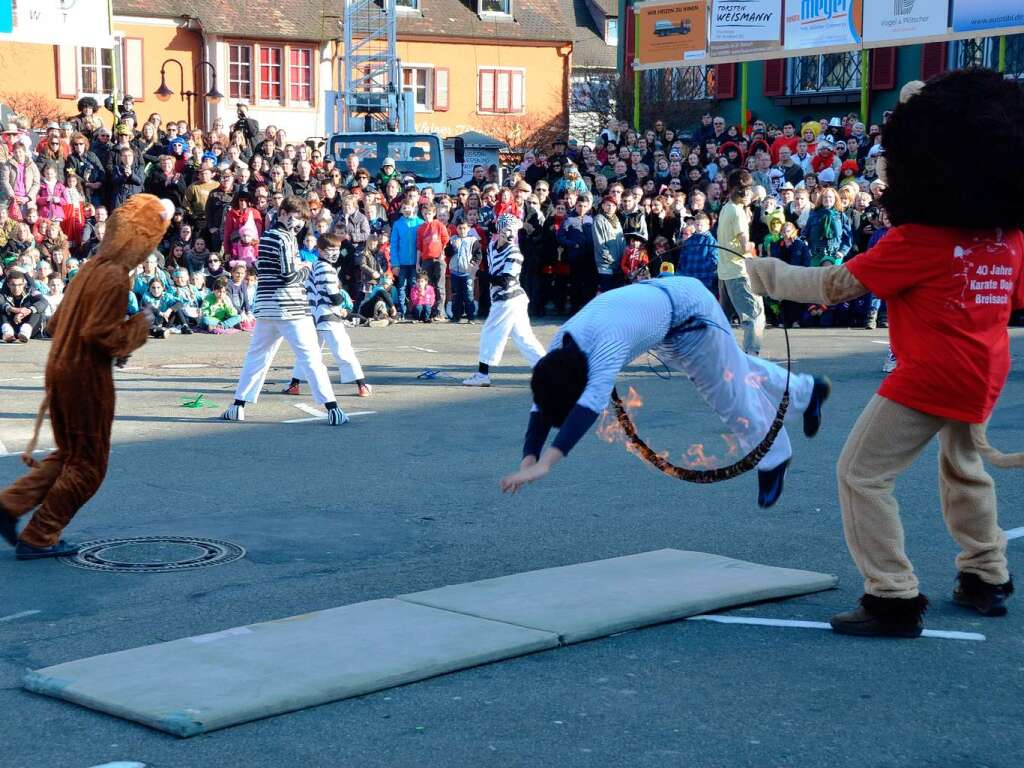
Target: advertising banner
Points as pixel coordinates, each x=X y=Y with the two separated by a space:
x=817 y=24
x=970 y=15
x=896 y=20
x=56 y=22
x=671 y=34
x=745 y=28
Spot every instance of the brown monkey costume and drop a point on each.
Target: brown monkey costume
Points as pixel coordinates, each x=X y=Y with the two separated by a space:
x=951 y=273
x=89 y=333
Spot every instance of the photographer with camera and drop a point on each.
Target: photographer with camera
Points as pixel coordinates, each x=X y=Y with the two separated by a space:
x=249 y=127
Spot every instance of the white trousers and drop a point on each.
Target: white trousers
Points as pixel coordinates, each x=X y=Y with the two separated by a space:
x=506 y=319
x=267 y=336
x=744 y=390
x=336 y=340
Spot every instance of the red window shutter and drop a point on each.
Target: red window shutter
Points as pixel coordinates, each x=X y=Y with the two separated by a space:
x=775 y=77
x=725 y=81
x=933 y=60
x=883 y=69
x=441 y=89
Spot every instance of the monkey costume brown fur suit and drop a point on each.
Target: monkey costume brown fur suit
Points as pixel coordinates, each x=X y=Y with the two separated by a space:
x=89 y=333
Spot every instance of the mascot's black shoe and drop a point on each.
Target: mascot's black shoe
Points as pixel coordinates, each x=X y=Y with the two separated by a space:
x=812 y=414
x=883 y=617
x=986 y=599
x=8 y=527
x=769 y=484
x=61 y=549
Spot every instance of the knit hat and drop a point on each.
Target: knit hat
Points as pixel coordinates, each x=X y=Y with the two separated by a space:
x=507 y=221
x=827 y=176
x=812 y=126
x=850 y=165
x=667 y=268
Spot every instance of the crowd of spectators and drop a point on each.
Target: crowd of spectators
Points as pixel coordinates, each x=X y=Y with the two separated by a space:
x=627 y=206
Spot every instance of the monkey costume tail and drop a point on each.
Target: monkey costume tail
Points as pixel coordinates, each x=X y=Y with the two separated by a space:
x=994 y=457
x=26 y=456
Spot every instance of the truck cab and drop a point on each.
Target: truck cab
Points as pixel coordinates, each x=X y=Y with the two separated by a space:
x=419 y=155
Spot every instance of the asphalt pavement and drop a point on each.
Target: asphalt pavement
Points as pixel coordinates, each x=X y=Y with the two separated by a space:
x=404 y=498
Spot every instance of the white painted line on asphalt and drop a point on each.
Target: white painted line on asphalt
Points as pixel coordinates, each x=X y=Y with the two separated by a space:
x=940 y=633
x=1014 y=533
x=880 y=341
x=421 y=349
x=306 y=408
x=186 y=365
x=21 y=615
x=322 y=416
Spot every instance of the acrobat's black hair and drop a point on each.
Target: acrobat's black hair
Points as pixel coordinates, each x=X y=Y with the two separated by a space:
x=974 y=111
x=558 y=380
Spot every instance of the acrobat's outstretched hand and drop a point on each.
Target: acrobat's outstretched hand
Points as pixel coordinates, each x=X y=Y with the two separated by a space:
x=530 y=471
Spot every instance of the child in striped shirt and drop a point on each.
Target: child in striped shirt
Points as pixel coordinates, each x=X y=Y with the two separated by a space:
x=509 y=316
x=330 y=305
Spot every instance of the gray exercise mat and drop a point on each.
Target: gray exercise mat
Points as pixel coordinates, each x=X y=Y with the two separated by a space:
x=588 y=600
x=199 y=684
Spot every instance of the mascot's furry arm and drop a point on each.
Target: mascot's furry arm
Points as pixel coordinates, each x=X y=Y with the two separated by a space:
x=817 y=285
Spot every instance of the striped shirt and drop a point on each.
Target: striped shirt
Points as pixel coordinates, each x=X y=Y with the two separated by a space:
x=504 y=264
x=326 y=298
x=280 y=293
x=618 y=326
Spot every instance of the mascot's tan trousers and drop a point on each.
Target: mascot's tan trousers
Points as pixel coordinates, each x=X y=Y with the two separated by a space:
x=885 y=441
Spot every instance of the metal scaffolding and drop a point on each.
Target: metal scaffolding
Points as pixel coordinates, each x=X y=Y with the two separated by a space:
x=370 y=80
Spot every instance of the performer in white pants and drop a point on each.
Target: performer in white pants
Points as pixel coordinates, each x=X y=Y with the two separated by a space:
x=509 y=316
x=330 y=305
x=282 y=314
x=677 y=319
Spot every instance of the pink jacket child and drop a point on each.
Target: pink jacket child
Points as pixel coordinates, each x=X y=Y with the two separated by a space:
x=50 y=201
x=422 y=296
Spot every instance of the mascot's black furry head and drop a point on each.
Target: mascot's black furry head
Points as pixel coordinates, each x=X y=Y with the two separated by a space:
x=954 y=153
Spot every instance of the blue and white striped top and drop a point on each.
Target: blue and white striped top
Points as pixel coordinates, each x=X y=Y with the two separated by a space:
x=326 y=298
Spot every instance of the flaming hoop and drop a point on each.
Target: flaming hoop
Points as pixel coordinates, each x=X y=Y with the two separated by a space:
x=660 y=462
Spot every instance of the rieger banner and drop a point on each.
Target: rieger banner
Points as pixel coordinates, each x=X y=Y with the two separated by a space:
x=745 y=27
x=969 y=15
x=824 y=23
x=895 y=20
x=671 y=33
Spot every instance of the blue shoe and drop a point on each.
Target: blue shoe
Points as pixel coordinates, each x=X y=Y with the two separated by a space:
x=8 y=527
x=62 y=548
x=819 y=394
x=770 y=484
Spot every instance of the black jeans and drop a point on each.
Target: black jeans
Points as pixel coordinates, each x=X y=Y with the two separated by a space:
x=435 y=270
x=462 y=297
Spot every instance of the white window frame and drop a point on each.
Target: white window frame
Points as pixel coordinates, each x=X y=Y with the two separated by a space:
x=505 y=13
x=282 y=81
x=792 y=90
x=312 y=80
x=250 y=80
x=611 y=37
x=99 y=67
x=496 y=69
x=428 y=85
x=410 y=6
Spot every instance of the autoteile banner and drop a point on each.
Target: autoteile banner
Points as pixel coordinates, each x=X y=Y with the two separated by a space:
x=671 y=34
x=970 y=15
x=745 y=28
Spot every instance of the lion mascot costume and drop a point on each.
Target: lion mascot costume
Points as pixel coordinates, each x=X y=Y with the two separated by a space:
x=950 y=271
x=89 y=333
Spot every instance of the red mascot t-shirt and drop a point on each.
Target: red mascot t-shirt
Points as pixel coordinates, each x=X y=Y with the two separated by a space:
x=950 y=293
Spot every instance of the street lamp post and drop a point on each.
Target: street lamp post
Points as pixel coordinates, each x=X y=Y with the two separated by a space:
x=163 y=93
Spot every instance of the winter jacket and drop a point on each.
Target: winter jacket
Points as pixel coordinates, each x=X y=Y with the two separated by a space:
x=797 y=254
x=214 y=310
x=464 y=254
x=576 y=236
x=698 y=258
x=51 y=202
x=9 y=177
x=609 y=244
x=356 y=225
x=403 y=241
x=831 y=246
x=422 y=296
x=633 y=222
x=124 y=184
x=165 y=301
x=431 y=240
x=167 y=188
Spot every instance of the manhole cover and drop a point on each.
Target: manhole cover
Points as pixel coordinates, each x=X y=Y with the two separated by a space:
x=153 y=554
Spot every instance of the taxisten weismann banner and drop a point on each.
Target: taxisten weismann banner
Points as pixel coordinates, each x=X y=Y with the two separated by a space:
x=745 y=28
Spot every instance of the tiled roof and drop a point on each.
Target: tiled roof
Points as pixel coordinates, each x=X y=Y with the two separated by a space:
x=609 y=8
x=589 y=50
x=532 y=20
x=279 y=19
x=304 y=19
